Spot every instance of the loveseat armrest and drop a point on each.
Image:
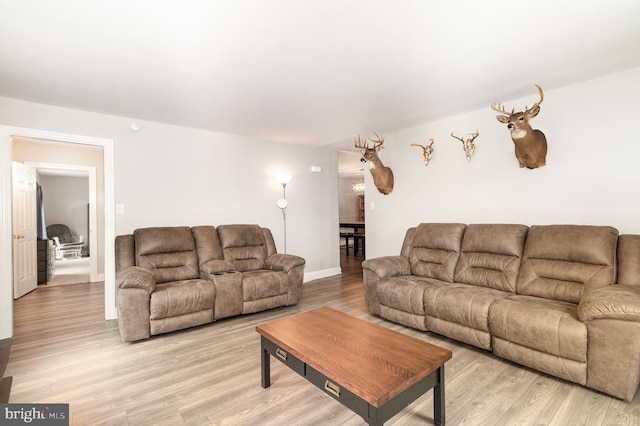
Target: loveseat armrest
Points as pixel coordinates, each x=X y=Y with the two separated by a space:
x=135 y=285
x=388 y=266
x=612 y=316
x=136 y=277
x=619 y=302
x=293 y=266
x=283 y=262
x=215 y=266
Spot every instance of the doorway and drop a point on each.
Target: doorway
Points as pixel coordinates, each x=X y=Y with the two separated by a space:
x=69 y=186
x=70 y=196
x=105 y=209
x=351 y=203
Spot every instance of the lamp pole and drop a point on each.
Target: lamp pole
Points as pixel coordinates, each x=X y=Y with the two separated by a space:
x=282 y=203
x=284 y=214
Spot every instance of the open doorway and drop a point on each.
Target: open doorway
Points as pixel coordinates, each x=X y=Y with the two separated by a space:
x=71 y=182
x=69 y=220
x=106 y=233
x=351 y=204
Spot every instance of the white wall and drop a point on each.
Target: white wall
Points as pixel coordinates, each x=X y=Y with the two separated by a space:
x=169 y=175
x=591 y=177
x=66 y=201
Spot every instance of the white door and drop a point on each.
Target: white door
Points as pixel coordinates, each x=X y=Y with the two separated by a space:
x=25 y=274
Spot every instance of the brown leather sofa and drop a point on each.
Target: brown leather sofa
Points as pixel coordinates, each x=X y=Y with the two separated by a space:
x=561 y=299
x=171 y=278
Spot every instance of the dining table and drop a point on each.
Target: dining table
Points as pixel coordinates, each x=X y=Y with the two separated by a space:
x=358 y=228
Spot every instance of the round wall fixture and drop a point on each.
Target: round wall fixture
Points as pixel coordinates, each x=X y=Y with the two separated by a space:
x=135 y=127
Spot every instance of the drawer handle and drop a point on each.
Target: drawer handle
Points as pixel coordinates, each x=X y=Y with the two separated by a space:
x=281 y=354
x=332 y=388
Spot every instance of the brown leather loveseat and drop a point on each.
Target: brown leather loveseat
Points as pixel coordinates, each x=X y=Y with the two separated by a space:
x=171 y=278
x=562 y=299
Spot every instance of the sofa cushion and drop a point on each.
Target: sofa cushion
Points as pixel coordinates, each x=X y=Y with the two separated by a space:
x=404 y=293
x=461 y=303
x=548 y=326
x=460 y=311
x=181 y=297
x=435 y=249
x=263 y=284
x=629 y=259
x=562 y=262
x=168 y=252
x=490 y=255
x=244 y=246
x=207 y=243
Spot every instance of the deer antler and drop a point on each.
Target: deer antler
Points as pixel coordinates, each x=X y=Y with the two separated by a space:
x=541 y=93
x=498 y=107
x=359 y=144
x=378 y=142
x=475 y=135
x=422 y=146
x=460 y=139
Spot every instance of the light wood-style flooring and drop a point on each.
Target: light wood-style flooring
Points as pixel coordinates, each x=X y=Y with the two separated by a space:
x=65 y=352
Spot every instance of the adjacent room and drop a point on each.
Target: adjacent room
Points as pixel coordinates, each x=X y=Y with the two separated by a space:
x=320 y=212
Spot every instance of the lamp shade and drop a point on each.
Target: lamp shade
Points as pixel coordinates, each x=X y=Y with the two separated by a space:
x=284 y=179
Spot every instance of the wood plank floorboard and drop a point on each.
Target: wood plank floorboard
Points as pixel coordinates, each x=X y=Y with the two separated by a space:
x=65 y=352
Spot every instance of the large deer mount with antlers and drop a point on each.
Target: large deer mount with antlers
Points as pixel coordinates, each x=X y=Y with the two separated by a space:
x=382 y=175
x=530 y=144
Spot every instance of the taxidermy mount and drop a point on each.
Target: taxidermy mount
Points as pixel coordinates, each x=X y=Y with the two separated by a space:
x=530 y=144
x=382 y=175
x=426 y=151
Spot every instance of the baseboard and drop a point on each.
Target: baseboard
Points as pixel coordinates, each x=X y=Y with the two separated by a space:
x=316 y=275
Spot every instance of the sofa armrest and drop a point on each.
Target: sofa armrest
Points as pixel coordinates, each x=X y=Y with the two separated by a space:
x=619 y=302
x=388 y=266
x=293 y=266
x=216 y=266
x=612 y=317
x=136 y=277
x=374 y=270
x=283 y=262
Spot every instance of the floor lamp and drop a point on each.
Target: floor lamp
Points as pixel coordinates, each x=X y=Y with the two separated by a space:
x=282 y=203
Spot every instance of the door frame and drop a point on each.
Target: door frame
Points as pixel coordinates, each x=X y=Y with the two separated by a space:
x=6 y=260
x=90 y=172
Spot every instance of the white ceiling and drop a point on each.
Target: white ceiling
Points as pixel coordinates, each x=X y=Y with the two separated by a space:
x=305 y=71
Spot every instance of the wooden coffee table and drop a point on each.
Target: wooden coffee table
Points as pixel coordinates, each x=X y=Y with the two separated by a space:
x=372 y=370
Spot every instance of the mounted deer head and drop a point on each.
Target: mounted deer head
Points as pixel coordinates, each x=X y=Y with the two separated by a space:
x=468 y=145
x=530 y=144
x=382 y=175
x=426 y=151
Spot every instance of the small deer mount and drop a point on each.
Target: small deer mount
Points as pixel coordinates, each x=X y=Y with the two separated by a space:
x=382 y=175
x=426 y=151
x=530 y=144
x=468 y=144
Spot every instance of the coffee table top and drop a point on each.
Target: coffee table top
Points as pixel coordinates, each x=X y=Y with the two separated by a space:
x=371 y=361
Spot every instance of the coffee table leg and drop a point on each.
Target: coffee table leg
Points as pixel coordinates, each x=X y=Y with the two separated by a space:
x=265 y=365
x=373 y=417
x=438 y=399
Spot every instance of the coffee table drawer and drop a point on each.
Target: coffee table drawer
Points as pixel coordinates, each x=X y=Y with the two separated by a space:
x=283 y=356
x=338 y=392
